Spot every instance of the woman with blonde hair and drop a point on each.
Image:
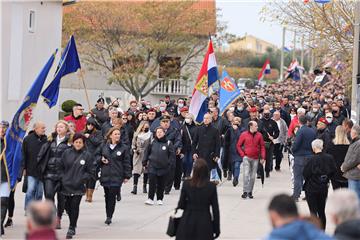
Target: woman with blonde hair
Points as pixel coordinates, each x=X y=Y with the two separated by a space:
x=140 y=142
x=49 y=164
x=338 y=150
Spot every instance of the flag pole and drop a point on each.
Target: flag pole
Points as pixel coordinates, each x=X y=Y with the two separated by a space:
x=81 y=78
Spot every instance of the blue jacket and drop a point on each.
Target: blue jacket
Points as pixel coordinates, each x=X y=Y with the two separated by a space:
x=302 y=143
x=297 y=230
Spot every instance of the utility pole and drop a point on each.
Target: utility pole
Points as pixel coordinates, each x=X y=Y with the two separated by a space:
x=282 y=55
x=355 y=96
x=294 y=51
x=302 y=51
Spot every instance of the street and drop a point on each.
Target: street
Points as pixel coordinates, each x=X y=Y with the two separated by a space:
x=240 y=219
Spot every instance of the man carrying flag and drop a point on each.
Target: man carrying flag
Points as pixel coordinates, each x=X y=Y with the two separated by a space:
x=69 y=63
x=207 y=76
x=11 y=155
x=265 y=70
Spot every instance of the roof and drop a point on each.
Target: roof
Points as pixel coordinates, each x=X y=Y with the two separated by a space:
x=251 y=36
x=206 y=6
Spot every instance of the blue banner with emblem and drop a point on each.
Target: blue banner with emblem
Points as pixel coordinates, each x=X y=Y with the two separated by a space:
x=12 y=154
x=228 y=93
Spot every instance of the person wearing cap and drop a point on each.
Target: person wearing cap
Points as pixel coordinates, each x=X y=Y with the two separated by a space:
x=133 y=107
x=173 y=135
x=4 y=187
x=93 y=139
x=100 y=113
x=254 y=114
x=76 y=168
x=151 y=115
x=180 y=104
x=77 y=117
x=323 y=133
x=331 y=123
x=31 y=146
x=183 y=112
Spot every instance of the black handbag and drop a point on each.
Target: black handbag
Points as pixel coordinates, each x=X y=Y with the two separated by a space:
x=173 y=225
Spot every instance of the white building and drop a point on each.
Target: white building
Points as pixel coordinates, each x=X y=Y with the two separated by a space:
x=30 y=33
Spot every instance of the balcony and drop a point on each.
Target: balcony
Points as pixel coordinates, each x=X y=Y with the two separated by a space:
x=175 y=87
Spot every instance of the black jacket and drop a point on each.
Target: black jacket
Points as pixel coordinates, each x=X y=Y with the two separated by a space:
x=326 y=137
x=319 y=169
x=206 y=144
x=348 y=230
x=268 y=127
x=3 y=168
x=244 y=114
x=338 y=152
x=188 y=135
x=119 y=166
x=196 y=222
x=93 y=141
x=124 y=135
x=173 y=135
x=76 y=168
x=101 y=116
x=30 y=148
x=159 y=156
x=49 y=158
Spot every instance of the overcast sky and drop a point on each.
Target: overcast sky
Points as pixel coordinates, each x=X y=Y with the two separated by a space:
x=243 y=17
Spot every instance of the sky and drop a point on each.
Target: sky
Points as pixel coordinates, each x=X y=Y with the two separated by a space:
x=243 y=17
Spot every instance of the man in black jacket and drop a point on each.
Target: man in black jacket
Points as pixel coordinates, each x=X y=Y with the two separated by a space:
x=323 y=133
x=174 y=136
x=99 y=112
x=206 y=143
x=270 y=131
x=31 y=147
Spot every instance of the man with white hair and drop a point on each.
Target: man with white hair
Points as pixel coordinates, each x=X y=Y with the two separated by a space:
x=318 y=171
x=343 y=209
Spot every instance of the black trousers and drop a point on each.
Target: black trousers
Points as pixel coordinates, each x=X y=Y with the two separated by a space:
x=110 y=200
x=174 y=176
x=156 y=183
x=72 y=206
x=339 y=184
x=11 y=204
x=316 y=202
x=269 y=157
x=278 y=148
x=51 y=188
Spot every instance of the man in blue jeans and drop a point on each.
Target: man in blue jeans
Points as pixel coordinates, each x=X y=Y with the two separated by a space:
x=351 y=164
x=301 y=150
x=31 y=146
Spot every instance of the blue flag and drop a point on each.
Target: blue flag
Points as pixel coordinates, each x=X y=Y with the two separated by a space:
x=12 y=155
x=69 y=63
x=228 y=91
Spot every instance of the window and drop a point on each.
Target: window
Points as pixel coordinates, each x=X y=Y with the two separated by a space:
x=32 y=21
x=170 y=67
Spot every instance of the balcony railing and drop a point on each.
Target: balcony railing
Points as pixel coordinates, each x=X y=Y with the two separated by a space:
x=172 y=87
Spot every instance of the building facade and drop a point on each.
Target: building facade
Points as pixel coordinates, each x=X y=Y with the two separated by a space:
x=31 y=31
x=250 y=43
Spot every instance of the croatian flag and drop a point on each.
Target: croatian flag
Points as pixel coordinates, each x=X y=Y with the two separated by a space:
x=207 y=76
x=265 y=70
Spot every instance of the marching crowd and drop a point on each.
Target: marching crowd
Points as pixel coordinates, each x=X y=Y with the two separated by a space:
x=162 y=144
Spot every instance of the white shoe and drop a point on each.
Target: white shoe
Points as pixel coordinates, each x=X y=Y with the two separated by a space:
x=149 y=202
x=159 y=202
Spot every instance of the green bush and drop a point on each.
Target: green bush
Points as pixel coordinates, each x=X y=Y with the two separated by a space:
x=68 y=105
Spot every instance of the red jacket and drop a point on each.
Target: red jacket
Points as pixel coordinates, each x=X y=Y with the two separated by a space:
x=249 y=145
x=80 y=122
x=293 y=124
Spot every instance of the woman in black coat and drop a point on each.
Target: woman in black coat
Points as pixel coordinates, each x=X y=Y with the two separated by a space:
x=114 y=159
x=188 y=131
x=197 y=195
x=76 y=169
x=318 y=171
x=159 y=158
x=338 y=149
x=93 y=139
x=49 y=164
